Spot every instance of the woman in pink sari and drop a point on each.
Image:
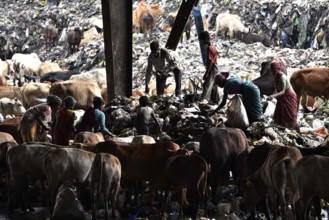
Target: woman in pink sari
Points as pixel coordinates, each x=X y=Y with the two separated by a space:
x=285 y=113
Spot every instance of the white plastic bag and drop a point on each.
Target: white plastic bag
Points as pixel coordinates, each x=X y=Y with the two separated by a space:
x=236 y=113
x=270 y=109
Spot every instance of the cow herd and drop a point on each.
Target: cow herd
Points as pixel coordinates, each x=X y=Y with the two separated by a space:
x=96 y=175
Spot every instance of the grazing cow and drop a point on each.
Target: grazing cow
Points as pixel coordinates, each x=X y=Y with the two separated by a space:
x=65 y=163
x=25 y=162
x=219 y=147
x=46 y=67
x=250 y=38
x=34 y=94
x=74 y=36
x=276 y=177
x=312 y=178
x=265 y=82
x=228 y=23
x=58 y=76
x=141 y=161
x=186 y=171
x=11 y=107
x=82 y=91
x=105 y=177
x=86 y=137
x=312 y=82
x=50 y=33
x=67 y=204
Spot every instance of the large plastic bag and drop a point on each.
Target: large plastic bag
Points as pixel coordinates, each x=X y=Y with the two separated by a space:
x=236 y=113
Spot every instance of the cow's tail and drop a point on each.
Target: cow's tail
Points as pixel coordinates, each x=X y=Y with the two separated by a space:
x=100 y=164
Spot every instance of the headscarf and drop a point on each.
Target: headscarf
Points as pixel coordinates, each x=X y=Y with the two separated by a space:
x=47 y=110
x=221 y=77
x=278 y=74
x=276 y=64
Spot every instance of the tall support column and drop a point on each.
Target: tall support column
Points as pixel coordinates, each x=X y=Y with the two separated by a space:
x=117 y=22
x=180 y=22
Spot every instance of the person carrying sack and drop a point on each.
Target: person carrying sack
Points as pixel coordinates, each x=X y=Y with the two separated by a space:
x=250 y=92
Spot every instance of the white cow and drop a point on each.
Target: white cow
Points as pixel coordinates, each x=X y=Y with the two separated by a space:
x=11 y=107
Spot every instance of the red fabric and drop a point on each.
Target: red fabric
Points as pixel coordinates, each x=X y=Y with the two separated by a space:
x=213 y=53
x=276 y=64
x=286 y=108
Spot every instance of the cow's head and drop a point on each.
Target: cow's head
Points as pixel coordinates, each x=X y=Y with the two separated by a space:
x=250 y=194
x=11 y=107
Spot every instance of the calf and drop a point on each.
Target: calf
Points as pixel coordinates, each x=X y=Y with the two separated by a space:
x=74 y=36
x=276 y=177
x=61 y=164
x=312 y=82
x=141 y=161
x=50 y=34
x=186 y=171
x=25 y=64
x=219 y=147
x=105 y=177
x=250 y=38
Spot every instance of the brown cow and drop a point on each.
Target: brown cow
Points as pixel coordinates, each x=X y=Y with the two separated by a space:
x=74 y=36
x=276 y=177
x=105 y=177
x=141 y=161
x=313 y=179
x=61 y=164
x=50 y=34
x=82 y=91
x=312 y=82
x=219 y=147
x=11 y=92
x=34 y=94
x=186 y=171
x=145 y=17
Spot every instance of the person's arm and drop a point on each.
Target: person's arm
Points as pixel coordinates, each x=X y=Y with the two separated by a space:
x=222 y=104
x=43 y=125
x=171 y=61
x=157 y=122
x=148 y=75
x=102 y=124
x=282 y=86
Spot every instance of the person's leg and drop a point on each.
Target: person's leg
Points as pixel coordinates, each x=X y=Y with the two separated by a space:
x=178 y=79
x=160 y=83
x=208 y=85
